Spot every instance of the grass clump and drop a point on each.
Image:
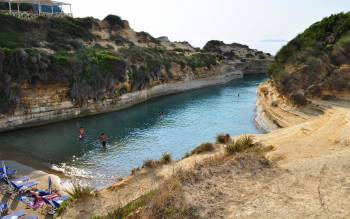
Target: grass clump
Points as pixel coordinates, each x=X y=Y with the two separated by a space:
x=166 y=158
x=79 y=192
x=186 y=155
x=150 y=163
x=207 y=147
x=125 y=211
x=63 y=207
x=223 y=139
x=168 y=202
x=135 y=170
x=240 y=145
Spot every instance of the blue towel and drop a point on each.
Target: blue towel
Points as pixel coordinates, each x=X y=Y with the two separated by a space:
x=21 y=180
x=3 y=207
x=25 y=186
x=14 y=215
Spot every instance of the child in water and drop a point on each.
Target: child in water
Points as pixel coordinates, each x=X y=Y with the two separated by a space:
x=103 y=140
x=81 y=133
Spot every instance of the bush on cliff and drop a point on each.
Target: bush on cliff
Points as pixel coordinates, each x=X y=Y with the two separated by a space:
x=213 y=46
x=203 y=148
x=114 y=20
x=313 y=59
x=240 y=145
x=223 y=139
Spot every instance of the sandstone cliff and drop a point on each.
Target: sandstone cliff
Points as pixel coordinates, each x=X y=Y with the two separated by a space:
x=59 y=68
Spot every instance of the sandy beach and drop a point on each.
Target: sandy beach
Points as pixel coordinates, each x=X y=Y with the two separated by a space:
x=35 y=175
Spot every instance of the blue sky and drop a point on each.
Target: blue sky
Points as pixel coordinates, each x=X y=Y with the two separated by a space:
x=261 y=24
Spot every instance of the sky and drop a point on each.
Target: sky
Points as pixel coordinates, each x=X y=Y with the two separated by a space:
x=261 y=24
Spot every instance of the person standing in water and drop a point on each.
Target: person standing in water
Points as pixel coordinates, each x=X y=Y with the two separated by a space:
x=103 y=140
x=81 y=133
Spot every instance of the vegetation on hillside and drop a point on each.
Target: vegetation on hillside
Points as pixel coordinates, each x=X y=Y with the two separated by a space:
x=315 y=60
x=95 y=59
x=64 y=50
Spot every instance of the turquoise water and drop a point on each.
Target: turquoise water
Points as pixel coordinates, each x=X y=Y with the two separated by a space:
x=140 y=132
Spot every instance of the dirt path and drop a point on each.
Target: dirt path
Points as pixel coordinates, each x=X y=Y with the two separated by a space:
x=310 y=188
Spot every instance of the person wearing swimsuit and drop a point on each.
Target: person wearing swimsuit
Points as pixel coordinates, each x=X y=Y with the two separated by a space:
x=81 y=133
x=103 y=140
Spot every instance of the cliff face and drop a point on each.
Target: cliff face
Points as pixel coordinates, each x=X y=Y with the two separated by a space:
x=250 y=61
x=60 y=68
x=316 y=64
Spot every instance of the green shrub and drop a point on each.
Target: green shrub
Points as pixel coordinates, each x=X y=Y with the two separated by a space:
x=223 y=139
x=135 y=170
x=63 y=207
x=298 y=99
x=166 y=158
x=114 y=20
x=213 y=46
x=91 y=72
x=198 y=60
x=207 y=147
x=150 y=164
x=123 y=90
x=231 y=148
x=240 y=145
x=274 y=103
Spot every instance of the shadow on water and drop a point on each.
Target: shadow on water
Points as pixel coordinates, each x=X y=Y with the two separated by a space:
x=143 y=131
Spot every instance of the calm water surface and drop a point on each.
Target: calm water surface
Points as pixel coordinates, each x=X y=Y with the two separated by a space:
x=140 y=132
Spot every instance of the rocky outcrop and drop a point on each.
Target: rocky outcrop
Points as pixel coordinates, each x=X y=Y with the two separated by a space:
x=163 y=39
x=275 y=111
x=250 y=61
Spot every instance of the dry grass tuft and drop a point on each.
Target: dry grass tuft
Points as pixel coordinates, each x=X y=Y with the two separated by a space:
x=169 y=202
x=79 y=192
x=166 y=158
x=150 y=164
x=135 y=170
x=240 y=145
x=207 y=147
x=186 y=155
x=223 y=139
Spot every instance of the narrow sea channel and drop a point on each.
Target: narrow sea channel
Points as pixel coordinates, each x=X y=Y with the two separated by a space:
x=174 y=124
